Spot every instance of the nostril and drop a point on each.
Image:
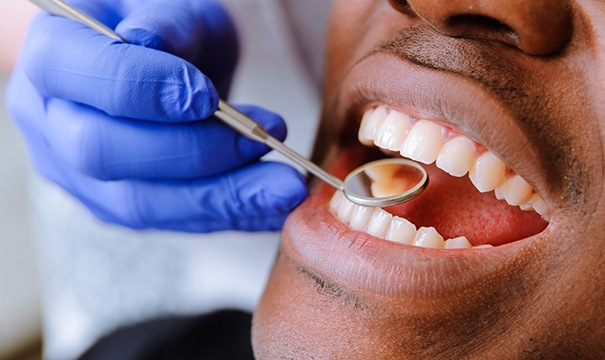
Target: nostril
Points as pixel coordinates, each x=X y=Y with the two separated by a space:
x=480 y=21
x=402 y=6
x=535 y=27
x=481 y=26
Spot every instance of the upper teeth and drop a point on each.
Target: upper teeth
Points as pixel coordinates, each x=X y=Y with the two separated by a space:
x=427 y=142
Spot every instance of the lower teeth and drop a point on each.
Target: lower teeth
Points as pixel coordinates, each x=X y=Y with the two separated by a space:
x=379 y=223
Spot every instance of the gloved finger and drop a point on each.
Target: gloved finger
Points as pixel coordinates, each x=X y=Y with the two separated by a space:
x=254 y=198
x=107 y=12
x=200 y=32
x=257 y=197
x=27 y=109
x=111 y=148
x=68 y=60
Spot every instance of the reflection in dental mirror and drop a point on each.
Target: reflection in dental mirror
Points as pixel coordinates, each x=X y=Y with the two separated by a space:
x=385 y=182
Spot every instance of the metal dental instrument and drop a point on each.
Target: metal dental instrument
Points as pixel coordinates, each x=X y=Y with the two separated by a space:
x=379 y=183
x=405 y=179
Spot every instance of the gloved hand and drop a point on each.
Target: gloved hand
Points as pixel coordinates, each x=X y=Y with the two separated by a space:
x=127 y=128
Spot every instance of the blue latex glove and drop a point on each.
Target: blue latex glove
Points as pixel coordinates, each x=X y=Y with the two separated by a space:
x=125 y=128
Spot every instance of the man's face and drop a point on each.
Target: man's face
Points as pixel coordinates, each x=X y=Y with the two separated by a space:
x=504 y=95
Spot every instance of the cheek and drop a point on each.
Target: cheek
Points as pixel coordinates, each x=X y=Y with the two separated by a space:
x=356 y=29
x=339 y=45
x=351 y=22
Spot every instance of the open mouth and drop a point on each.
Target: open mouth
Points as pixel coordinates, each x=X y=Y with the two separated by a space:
x=469 y=144
x=473 y=200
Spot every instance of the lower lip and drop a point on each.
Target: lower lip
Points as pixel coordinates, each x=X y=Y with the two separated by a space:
x=314 y=239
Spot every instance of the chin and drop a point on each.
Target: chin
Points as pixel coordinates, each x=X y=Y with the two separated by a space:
x=502 y=256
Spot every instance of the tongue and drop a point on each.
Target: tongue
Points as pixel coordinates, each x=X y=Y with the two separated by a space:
x=455 y=208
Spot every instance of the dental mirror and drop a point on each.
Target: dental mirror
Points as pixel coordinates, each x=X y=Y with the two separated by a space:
x=379 y=183
x=385 y=182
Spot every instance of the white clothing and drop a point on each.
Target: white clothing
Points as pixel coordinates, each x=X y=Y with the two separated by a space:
x=97 y=277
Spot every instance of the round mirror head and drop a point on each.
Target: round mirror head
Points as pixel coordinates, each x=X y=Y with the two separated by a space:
x=385 y=182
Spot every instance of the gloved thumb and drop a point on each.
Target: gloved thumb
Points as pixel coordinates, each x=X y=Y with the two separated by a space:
x=258 y=197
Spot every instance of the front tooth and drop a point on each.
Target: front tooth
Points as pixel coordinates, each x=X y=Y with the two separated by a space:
x=336 y=200
x=393 y=131
x=400 y=230
x=360 y=217
x=484 y=246
x=386 y=181
x=428 y=238
x=526 y=207
x=487 y=173
x=457 y=156
x=498 y=193
x=539 y=205
x=345 y=210
x=379 y=222
x=457 y=243
x=423 y=143
x=371 y=121
x=515 y=190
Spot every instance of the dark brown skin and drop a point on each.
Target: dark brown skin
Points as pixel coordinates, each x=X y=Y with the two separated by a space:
x=540 y=65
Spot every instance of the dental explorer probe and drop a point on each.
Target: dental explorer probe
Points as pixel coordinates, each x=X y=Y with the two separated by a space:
x=360 y=186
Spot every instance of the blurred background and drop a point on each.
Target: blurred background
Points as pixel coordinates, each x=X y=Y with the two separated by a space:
x=20 y=318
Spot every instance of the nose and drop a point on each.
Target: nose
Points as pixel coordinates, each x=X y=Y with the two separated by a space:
x=537 y=27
